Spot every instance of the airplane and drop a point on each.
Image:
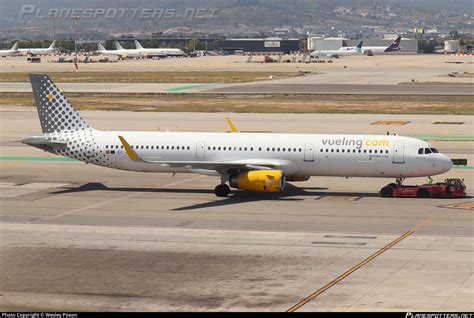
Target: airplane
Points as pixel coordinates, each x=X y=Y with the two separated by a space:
x=12 y=51
x=394 y=46
x=159 y=52
x=121 y=53
x=51 y=49
x=261 y=162
x=342 y=51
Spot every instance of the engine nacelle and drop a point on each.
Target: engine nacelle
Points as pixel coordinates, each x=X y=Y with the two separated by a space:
x=259 y=180
x=297 y=178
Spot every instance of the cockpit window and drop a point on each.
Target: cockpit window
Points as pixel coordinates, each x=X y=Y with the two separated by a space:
x=420 y=151
x=434 y=150
x=427 y=151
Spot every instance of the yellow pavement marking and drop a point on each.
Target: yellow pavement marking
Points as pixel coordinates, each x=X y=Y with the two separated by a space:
x=463 y=205
x=339 y=198
x=307 y=299
x=390 y=122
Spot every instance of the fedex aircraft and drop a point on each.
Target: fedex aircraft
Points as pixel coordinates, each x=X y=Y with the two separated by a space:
x=12 y=51
x=394 y=46
x=342 y=51
x=160 y=52
x=261 y=162
x=32 y=51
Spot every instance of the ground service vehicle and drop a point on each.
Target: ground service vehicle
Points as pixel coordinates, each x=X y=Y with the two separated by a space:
x=450 y=188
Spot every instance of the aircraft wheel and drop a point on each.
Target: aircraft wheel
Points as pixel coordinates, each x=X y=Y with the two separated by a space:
x=392 y=185
x=222 y=190
x=386 y=192
x=423 y=193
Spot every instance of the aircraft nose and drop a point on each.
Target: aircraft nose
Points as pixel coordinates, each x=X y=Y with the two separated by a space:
x=446 y=163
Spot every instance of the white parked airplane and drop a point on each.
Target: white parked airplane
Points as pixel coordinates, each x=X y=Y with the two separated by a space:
x=121 y=53
x=32 y=51
x=159 y=52
x=251 y=161
x=342 y=51
x=12 y=51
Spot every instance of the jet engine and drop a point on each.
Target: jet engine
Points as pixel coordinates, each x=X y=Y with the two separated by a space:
x=259 y=180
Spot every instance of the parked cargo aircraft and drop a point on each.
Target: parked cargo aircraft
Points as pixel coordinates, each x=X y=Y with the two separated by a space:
x=261 y=162
x=39 y=51
x=12 y=51
x=158 y=52
x=342 y=51
x=394 y=46
x=121 y=53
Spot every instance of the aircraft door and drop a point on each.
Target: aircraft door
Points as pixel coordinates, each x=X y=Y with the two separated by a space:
x=309 y=152
x=398 y=152
x=201 y=150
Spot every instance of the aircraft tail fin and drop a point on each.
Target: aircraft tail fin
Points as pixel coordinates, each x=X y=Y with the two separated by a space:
x=118 y=46
x=394 y=46
x=53 y=45
x=100 y=47
x=15 y=46
x=55 y=113
x=358 y=47
x=138 y=45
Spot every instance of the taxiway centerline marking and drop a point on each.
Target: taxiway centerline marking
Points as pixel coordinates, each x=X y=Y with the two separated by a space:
x=40 y=220
x=336 y=280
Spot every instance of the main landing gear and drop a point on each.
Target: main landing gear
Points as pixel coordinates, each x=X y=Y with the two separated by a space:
x=222 y=190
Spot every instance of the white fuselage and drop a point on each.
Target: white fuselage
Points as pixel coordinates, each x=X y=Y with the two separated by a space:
x=161 y=52
x=124 y=53
x=295 y=154
x=339 y=52
x=8 y=52
x=46 y=51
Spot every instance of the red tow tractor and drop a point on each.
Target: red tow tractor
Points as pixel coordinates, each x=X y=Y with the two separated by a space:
x=450 y=188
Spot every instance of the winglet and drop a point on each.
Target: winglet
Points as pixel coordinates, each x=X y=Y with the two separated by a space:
x=130 y=152
x=231 y=125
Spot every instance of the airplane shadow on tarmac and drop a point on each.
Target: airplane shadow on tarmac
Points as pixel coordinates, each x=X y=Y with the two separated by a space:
x=236 y=196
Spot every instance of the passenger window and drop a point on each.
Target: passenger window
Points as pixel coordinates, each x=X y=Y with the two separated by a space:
x=332 y=150
x=327 y=150
x=427 y=151
x=375 y=151
x=365 y=150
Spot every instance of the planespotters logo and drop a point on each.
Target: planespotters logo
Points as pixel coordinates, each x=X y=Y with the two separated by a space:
x=439 y=315
x=33 y=11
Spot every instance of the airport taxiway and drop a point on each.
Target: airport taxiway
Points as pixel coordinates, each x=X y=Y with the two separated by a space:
x=81 y=237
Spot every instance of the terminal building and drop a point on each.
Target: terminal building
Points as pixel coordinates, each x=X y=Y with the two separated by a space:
x=408 y=46
x=264 y=45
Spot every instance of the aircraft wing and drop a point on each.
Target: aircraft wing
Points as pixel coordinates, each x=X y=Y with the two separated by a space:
x=206 y=167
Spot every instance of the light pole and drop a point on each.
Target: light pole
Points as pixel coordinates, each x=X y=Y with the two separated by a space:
x=75 y=41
